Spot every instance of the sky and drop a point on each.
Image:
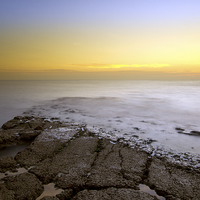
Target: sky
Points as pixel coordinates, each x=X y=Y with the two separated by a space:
x=99 y=39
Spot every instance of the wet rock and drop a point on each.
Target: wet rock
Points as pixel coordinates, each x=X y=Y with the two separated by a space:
x=117 y=166
x=37 y=152
x=197 y=133
x=6 y=194
x=133 y=163
x=66 y=194
x=16 y=130
x=36 y=124
x=38 y=128
x=25 y=186
x=9 y=137
x=70 y=167
x=94 y=167
x=29 y=134
x=169 y=179
x=112 y=194
x=46 y=145
x=183 y=131
x=180 y=129
x=49 y=198
x=12 y=123
x=25 y=128
x=7 y=164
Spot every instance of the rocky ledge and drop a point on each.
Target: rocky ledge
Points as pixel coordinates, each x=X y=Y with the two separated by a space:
x=86 y=166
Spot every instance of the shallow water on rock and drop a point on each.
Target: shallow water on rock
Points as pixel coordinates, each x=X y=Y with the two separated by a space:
x=19 y=171
x=49 y=190
x=146 y=189
x=12 y=150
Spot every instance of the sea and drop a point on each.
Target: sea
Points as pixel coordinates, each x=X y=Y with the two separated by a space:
x=146 y=109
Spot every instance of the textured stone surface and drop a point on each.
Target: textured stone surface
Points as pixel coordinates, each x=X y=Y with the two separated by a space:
x=113 y=194
x=49 y=198
x=24 y=128
x=112 y=169
x=66 y=194
x=7 y=164
x=37 y=152
x=29 y=134
x=178 y=182
x=70 y=167
x=88 y=167
x=6 y=194
x=24 y=186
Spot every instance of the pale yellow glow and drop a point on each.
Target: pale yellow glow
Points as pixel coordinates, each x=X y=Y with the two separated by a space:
x=129 y=66
x=88 y=50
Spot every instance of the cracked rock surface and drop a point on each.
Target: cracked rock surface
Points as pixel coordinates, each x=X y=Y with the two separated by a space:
x=178 y=182
x=86 y=166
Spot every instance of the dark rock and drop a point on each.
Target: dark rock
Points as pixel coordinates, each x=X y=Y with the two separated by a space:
x=49 y=198
x=36 y=124
x=149 y=141
x=29 y=134
x=38 y=128
x=180 y=129
x=197 y=133
x=37 y=152
x=71 y=166
x=46 y=145
x=25 y=186
x=66 y=194
x=6 y=194
x=9 y=136
x=194 y=133
x=167 y=179
x=12 y=123
x=113 y=194
x=79 y=162
x=117 y=166
x=7 y=164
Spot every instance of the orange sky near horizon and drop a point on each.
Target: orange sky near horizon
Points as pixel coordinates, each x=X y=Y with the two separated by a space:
x=79 y=41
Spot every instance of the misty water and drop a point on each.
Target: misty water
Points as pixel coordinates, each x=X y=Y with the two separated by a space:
x=147 y=109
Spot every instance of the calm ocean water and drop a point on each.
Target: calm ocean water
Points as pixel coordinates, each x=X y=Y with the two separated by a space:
x=149 y=109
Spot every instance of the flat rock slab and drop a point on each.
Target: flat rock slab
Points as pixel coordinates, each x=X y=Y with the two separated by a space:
x=167 y=179
x=86 y=166
x=113 y=194
x=69 y=167
x=45 y=145
x=117 y=166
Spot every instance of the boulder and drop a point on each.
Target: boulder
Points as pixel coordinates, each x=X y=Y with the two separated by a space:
x=7 y=163
x=6 y=194
x=12 y=123
x=25 y=186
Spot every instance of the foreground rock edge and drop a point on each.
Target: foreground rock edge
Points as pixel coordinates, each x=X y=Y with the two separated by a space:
x=107 y=160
